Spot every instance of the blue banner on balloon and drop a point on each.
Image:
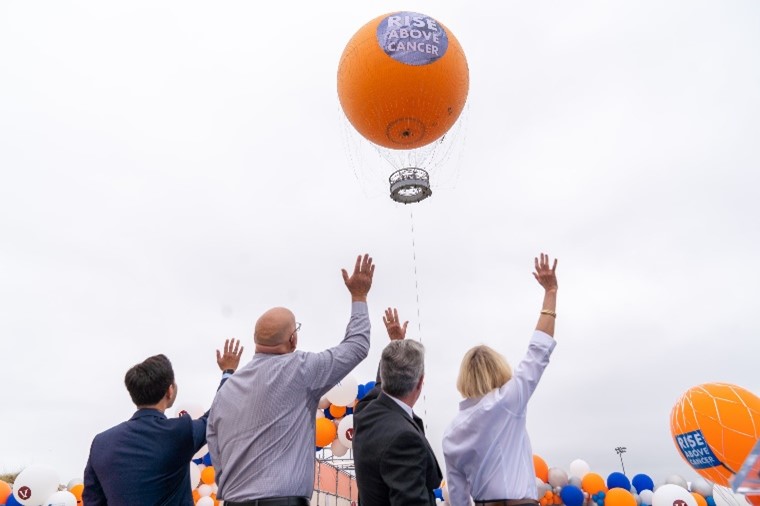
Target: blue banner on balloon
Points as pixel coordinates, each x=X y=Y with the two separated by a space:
x=412 y=38
x=695 y=450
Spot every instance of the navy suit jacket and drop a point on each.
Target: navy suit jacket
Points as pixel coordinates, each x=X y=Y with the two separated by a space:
x=395 y=464
x=144 y=461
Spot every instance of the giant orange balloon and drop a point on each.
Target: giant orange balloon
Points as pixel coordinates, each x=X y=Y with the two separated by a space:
x=403 y=80
x=715 y=426
x=326 y=432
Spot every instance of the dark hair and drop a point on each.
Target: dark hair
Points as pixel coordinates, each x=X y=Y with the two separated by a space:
x=148 y=381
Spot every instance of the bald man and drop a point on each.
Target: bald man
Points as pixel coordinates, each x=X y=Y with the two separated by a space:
x=261 y=432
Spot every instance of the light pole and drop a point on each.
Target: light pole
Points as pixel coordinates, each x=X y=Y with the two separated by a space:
x=620 y=450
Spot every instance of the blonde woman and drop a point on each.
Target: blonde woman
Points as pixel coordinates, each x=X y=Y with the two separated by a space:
x=486 y=447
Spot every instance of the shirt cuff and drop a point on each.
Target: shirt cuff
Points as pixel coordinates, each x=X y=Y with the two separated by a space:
x=543 y=340
x=359 y=308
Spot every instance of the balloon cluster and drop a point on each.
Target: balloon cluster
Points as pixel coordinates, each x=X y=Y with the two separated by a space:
x=335 y=415
x=38 y=486
x=581 y=487
x=203 y=479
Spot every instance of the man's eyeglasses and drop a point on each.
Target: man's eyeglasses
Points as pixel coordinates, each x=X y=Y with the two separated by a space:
x=298 y=327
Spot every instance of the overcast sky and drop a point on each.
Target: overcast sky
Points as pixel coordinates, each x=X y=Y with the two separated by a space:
x=170 y=170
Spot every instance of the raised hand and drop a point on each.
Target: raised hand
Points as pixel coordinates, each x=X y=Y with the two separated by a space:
x=396 y=331
x=360 y=281
x=230 y=359
x=546 y=276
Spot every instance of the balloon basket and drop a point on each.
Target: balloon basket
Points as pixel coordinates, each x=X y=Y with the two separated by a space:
x=410 y=185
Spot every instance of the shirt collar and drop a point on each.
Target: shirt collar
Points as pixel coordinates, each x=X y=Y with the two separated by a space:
x=468 y=403
x=406 y=407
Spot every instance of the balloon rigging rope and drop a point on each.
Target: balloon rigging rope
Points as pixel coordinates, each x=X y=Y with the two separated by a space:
x=417 y=292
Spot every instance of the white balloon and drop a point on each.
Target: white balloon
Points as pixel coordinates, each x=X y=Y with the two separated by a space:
x=338 y=449
x=575 y=481
x=195 y=475
x=542 y=487
x=323 y=403
x=200 y=453
x=557 y=477
x=445 y=493
x=206 y=490
x=646 y=497
x=636 y=496
x=669 y=493
x=74 y=482
x=579 y=468
x=702 y=487
x=205 y=501
x=62 y=498
x=675 y=479
x=344 y=393
x=195 y=410
x=346 y=431
x=320 y=413
x=35 y=484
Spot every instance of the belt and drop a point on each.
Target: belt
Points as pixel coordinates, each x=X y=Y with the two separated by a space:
x=272 y=501
x=503 y=502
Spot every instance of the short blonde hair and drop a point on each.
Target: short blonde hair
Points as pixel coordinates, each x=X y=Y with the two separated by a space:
x=483 y=369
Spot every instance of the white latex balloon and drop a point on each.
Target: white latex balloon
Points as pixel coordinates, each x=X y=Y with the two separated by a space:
x=338 y=449
x=324 y=403
x=646 y=497
x=195 y=475
x=542 y=487
x=579 y=468
x=35 y=484
x=346 y=431
x=195 y=410
x=73 y=483
x=557 y=477
x=205 y=501
x=636 y=496
x=200 y=453
x=206 y=490
x=669 y=494
x=702 y=487
x=62 y=498
x=675 y=479
x=575 y=481
x=344 y=393
x=320 y=414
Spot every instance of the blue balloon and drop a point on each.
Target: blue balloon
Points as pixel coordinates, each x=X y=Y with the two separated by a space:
x=328 y=415
x=207 y=459
x=438 y=493
x=349 y=411
x=571 y=495
x=710 y=501
x=369 y=386
x=11 y=501
x=361 y=393
x=642 y=482
x=618 y=480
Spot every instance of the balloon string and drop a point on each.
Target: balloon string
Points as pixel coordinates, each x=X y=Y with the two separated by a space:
x=417 y=292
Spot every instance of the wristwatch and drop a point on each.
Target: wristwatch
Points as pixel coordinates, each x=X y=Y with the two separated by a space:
x=228 y=371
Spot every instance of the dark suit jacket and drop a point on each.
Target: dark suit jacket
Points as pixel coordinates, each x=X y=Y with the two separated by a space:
x=395 y=465
x=144 y=461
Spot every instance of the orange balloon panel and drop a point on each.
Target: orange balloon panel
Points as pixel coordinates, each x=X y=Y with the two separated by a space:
x=715 y=426
x=403 y=80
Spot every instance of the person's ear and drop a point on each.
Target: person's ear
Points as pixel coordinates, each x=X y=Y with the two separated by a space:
x=421 y=382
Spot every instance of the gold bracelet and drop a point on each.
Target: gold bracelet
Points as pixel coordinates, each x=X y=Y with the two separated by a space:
x=549 y=312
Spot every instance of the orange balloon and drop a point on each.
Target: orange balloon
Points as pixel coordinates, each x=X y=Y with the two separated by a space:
x=593 y=483
x=541 y=469
x=715 y=426
x=619 y=497
x=196 y=495
x=208 y=475
x=701 y=501
x=5 y=491
x=337 y=411
x=326 y=432
x=403 y=80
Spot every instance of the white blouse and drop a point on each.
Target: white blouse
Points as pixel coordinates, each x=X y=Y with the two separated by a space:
x=486 y=447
